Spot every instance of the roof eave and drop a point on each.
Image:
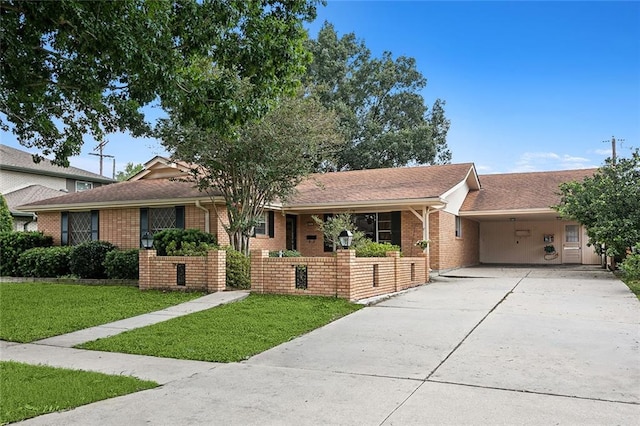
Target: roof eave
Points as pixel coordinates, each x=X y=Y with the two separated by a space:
x=506 y=212
x=346 y=205
x=57 y=174
x=118 y=204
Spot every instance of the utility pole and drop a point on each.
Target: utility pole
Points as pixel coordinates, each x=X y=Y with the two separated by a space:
x=100 y=148
x=613 y=149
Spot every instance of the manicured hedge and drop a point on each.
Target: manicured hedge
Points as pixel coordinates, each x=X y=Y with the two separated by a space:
x=238 y=269
x=45 y=262
x=87 y=259
x=371 y=249
x=13 y=244
x=163 y=238
x=122 y=264
x=285 y=253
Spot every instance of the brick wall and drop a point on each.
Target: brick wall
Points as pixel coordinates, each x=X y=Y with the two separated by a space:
x=307 y=227
x=120 y=227
x=49 y=224
x=449 y=251
x=342 y=275
x=202 y=273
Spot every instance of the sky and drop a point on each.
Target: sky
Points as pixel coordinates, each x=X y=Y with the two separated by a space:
x=529 y=86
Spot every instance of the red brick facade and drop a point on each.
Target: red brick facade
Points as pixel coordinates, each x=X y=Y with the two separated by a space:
x=342 y=275
x=202 y=273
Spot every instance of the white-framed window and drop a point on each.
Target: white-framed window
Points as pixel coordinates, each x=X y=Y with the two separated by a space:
x=83 y=186
x=458 y=227
x=261 y=225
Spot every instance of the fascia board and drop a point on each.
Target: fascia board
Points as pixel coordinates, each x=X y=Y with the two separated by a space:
x=435 y=201
x=506 y=212
x=97 y=178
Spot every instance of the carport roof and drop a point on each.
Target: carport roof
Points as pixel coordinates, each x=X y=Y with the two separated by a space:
x=520 y=191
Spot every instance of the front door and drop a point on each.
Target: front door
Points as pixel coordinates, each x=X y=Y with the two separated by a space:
x=292 y=230
x=571 y=248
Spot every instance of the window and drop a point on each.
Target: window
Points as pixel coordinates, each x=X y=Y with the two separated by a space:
x=153 y=220
x=79 y=227
x=261 y=225
x=379 y=227
x=83 y=186
x=571 y=234
x=458 y=227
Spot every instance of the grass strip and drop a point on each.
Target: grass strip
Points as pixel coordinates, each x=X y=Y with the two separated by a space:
x=634 y=286
x=34 y=311
x=32 y=390
x=231 y=332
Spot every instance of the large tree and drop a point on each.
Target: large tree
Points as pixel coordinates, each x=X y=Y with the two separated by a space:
x=260 y=163
x=130 y=169
x=608 y=204
x=383 y=115
x=72 y=69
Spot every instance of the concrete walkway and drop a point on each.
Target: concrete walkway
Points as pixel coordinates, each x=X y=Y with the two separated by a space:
x=489 y=346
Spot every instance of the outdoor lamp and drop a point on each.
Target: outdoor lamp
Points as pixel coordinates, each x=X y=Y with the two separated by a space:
x=345 y=237
x=147 y=240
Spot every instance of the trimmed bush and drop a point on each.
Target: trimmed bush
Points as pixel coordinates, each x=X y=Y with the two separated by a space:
x=122 y=264
x=13 y=244
x=45 y=262
x=163 y=238
x=87 y=259
x=631 y=265
x=238 y=269
x=189 y=249
x=371 y=249
x=285 y=253
x=6 y=221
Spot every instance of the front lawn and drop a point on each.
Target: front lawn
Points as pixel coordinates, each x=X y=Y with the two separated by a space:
x=634 y=286
x=232 y=332
x=32 y=390
x=34 y=311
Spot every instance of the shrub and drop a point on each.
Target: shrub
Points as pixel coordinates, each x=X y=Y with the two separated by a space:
x=6 y=221
x=87 y=259
x=12 y=244
x=238 y=269
x=188 y=249
x=122 y=264
x=162 y=239
x=45 y=262
x=631 y=265
x=285 y=253
x=371 y=249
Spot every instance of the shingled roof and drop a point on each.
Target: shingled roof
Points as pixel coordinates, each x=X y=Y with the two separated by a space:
x=521 y=191
x=29 y=194
x=379 y=185
x=140 y=192
x=15 y=159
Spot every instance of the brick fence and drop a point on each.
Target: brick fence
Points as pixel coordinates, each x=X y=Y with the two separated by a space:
x=202 y=273
x=341 y=276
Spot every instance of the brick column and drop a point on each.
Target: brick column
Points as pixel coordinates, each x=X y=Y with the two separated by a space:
x=144 y=268
x=396 y=257
x=426 y=266
x=216 y=270
x=344 y=263
x=257 y=273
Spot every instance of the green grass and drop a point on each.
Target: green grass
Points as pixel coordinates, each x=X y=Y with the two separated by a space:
x=35 y=311
x=634 y=286
x=32 y=390
x=231 y=332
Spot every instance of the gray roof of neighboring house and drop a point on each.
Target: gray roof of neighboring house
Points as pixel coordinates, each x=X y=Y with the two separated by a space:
x=29 y=194
x=15 y=159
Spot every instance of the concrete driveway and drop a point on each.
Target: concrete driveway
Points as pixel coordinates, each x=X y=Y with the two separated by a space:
x=483 y=346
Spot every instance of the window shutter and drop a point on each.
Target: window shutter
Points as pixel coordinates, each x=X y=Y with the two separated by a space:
x=64 y=228
x=180 y=217
x=144 y=223
x=328 y=247
x=396 y=228
x=95 y=225
x=272 y=224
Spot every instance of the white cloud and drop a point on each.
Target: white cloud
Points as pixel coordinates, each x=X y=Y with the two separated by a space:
x=543 y=161
x=603 y=152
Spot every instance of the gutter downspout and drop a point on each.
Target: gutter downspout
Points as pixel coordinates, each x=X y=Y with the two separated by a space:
x=26 y=224
x=206 y=216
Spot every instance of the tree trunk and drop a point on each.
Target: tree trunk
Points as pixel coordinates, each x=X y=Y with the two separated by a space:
x=239 y=242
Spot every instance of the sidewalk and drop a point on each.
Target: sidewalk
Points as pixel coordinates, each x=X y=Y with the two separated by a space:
x=58 y=351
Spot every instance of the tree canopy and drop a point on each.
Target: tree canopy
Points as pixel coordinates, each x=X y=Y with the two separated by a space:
x=130 y=169
x=382 y=113
x=608 y=204
x=260 y=163
x=73 y=68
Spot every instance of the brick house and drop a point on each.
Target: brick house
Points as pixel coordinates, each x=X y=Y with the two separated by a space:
x=22 y=182
x=469 y=219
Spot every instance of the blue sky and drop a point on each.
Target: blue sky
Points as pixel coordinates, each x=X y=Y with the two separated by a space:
x=529 y=86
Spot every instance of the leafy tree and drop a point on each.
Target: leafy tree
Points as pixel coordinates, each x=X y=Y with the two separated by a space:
x=608 y=204
x=261 y=163
x=382 y=112
x=129 y=170
x=6 y=221
x=334 y=225
x=72 y=68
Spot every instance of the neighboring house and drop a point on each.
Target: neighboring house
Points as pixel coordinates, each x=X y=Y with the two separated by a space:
x=469 y=219
x=23 y=182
